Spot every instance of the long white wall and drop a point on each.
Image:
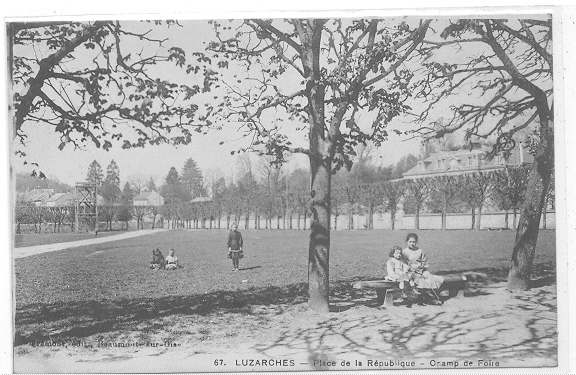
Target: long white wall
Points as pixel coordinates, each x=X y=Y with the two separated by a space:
x=489 y=220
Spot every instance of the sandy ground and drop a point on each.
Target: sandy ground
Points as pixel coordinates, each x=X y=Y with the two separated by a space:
x=21 y=252
x=492 y=329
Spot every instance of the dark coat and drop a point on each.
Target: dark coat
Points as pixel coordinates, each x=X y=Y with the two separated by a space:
x=157 y=257
x=235 y=241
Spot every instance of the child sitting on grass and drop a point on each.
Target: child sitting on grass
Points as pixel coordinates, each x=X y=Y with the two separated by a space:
x=157 y=260
x=171 y=261
x=398 y=270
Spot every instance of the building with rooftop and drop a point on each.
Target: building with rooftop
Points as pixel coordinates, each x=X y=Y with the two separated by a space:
x=148 y=198
x=468 y=160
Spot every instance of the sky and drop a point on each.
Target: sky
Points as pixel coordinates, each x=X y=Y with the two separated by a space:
x=70 y=166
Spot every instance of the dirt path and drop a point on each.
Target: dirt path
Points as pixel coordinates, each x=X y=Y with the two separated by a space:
x=491 y=330
x=21 y=252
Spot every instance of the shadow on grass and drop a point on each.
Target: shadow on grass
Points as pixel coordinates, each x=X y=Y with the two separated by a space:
x=78 y=319
x=248 y=268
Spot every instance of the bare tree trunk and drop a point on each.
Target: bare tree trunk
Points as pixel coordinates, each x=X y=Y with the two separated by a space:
x=350 y=220
x=444 y=208
x=370 y=218
x=479 y=222
x=529 y=222
x=473 y=217
x=417 y=218
x=506 y=219
x=319 y=248
x=544 y=212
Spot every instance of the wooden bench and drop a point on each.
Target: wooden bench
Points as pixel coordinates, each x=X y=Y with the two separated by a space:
x=385 y=290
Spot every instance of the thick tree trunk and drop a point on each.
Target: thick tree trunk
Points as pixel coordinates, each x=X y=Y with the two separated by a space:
x=319 y=247
x=531 y=212
x=321 y=153
x=473 y=217
x=393 y=219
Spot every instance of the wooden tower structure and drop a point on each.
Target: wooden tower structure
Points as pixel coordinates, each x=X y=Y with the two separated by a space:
x=86 y=207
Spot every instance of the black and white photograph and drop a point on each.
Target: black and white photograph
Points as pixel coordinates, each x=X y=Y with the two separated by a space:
x=322 y=191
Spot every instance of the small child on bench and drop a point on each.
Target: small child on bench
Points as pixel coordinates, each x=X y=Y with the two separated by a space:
x=399 y=270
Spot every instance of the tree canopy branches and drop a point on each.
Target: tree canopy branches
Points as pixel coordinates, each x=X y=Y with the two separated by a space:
x=345 y=66
x=510 y=77
x=99 y=82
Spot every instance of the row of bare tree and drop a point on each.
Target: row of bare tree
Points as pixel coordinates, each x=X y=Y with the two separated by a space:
x=473 y=192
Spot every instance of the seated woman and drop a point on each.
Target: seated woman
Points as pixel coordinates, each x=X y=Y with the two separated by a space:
x=157 y=260
x=171 y=261
x=418 y=262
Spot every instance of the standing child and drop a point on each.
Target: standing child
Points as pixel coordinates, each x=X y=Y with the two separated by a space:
x=171 y=261
x=235 y=244
x=398 y=269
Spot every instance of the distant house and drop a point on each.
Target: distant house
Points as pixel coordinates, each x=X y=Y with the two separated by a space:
x=466 y=160
x=67 y=199
x=149 y=198
x=61 y=199
x=37 y=196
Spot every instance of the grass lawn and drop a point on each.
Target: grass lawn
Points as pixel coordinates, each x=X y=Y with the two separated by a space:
x=94 y=289
x=34 y=239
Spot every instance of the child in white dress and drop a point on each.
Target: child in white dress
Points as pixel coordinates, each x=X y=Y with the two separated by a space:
x=171 y=261
x=398 y=269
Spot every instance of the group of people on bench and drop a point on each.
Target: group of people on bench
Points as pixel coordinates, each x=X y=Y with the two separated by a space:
x=409 y=266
